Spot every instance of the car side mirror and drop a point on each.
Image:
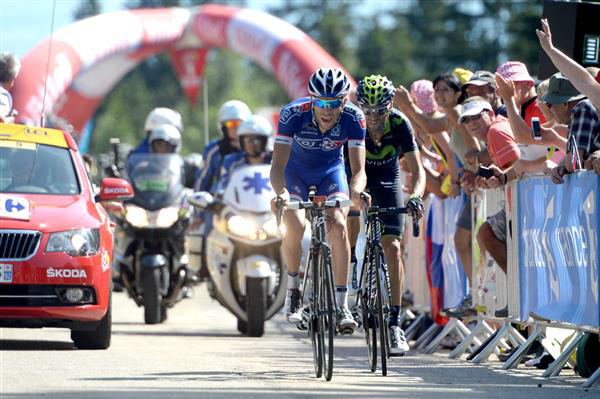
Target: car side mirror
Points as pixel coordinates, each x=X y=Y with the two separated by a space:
x=114 y=189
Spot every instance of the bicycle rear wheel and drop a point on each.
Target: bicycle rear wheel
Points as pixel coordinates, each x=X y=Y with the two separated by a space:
x=314 y=329
x=327 y=312
x=367 y=310
x=381 y=304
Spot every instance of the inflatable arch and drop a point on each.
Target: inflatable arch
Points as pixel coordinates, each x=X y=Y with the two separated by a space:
x=89 y=57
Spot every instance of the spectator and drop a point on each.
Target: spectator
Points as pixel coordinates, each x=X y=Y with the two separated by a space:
x=576 y=74
x=9 y=69
x=483 y=84
x=478 y=116
x=571 y=108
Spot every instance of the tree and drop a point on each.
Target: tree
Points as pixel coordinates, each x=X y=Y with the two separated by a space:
x=87 y=8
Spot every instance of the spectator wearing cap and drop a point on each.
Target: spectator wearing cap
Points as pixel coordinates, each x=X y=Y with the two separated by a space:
x=9 y=69
x=580 y=78
x=572 y=108
x=483 y=84
x=478 y=116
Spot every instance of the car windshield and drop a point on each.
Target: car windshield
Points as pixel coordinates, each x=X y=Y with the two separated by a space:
x=36 y=169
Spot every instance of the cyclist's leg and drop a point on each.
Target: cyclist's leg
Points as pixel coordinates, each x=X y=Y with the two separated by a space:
x=334 y=185
x=292 y=247
x=388 y=193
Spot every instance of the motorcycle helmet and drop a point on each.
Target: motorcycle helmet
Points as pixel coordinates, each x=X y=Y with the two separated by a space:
x=167 y=133
x=258 y=127
x=329 y=82
x=161 y=116
x=232 y=110
x=375 y=91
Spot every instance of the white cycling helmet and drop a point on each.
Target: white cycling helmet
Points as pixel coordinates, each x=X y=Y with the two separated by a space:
x=168 y=133
x=329 y=82
x=233 y=109
x=160 y=116
x=256 y=125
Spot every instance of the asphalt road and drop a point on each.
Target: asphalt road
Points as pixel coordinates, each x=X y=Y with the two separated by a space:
x=198 y=353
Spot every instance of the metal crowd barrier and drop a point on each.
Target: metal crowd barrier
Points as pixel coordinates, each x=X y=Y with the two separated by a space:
x=552 y=271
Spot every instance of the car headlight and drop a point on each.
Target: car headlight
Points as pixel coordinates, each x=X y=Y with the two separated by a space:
x=136 y=216
x=81 y=242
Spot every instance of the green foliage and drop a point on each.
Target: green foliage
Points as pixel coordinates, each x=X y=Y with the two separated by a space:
x=405 y=41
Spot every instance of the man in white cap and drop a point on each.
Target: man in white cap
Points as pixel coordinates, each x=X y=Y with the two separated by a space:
x=478 y=117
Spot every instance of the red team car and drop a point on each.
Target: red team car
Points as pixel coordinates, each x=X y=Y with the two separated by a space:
x=56 y=240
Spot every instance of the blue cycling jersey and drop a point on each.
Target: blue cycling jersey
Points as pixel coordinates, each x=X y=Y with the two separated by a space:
x=312 y=150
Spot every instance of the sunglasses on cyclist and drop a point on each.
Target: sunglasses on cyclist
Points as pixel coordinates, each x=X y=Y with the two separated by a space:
x=232 y=123
x=327 y=104
x=375 y=111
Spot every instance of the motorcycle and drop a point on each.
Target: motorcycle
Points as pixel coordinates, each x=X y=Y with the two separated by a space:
x=243 y=251
x=153 y=264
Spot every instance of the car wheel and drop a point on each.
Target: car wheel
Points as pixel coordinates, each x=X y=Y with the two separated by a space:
x=98 y=338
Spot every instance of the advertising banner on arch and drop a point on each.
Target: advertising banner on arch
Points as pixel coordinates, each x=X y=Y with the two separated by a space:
x=558 y=241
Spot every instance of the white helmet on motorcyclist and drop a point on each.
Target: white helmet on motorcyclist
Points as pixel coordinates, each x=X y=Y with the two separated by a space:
x=233 y=109
x=258 y=127
x=168 y=134
x=161 y=116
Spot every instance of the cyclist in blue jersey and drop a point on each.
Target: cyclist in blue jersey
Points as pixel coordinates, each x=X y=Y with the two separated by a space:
x=156 y=117
x=308 y=152
x=390 y=137
x=253 y=134
x=230 y=117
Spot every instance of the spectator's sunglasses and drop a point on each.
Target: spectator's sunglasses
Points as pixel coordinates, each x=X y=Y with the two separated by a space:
x=232 y=123
x=380 y=111
x=327 y=104
x=467 y=119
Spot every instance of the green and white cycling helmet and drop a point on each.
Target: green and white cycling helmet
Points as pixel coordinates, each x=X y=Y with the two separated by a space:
x=375 y=91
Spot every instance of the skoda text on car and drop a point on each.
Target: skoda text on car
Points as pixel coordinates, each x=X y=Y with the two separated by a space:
x=56 y=240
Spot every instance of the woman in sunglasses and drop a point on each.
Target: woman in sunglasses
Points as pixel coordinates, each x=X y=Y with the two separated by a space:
x=308 y=152
x=390 y=136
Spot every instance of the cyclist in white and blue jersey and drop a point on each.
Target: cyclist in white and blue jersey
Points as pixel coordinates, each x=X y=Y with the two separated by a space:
x=309 y=152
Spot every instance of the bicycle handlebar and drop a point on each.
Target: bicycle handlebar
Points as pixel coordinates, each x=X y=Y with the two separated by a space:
x=323 y=205
x=375 y=210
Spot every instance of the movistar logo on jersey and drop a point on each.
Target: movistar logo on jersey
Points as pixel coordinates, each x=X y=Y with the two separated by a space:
x=387 y=151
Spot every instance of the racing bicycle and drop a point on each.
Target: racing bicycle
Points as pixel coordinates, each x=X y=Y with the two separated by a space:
x=374 y=290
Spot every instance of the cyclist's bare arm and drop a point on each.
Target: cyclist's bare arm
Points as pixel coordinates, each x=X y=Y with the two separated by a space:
x=359 y=178
x=281 y=155
x=413 y=161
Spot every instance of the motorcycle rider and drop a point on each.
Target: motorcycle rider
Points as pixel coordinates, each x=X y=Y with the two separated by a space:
x=156 y=117
x=253 y=135
x=165 y=139
x=230 y=117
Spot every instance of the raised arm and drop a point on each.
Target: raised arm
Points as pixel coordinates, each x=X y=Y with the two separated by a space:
x=575 y=73
x=432 y=124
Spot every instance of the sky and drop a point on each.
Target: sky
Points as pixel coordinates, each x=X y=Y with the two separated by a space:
x=25 y=23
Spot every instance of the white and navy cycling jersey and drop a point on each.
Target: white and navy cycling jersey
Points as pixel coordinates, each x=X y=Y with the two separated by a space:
x=312 y=149
x=317 y=159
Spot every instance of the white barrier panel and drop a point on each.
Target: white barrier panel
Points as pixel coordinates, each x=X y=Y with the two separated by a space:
x=489 y=284
x=454 y=276
x=415 y=277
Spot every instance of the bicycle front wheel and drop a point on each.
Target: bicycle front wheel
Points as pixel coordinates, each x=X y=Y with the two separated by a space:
x=382 y=307
x=314 y=326
x=327 y=312
x=367 y=305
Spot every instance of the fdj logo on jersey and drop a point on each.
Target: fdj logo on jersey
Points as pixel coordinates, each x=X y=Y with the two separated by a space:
x=324 y=144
